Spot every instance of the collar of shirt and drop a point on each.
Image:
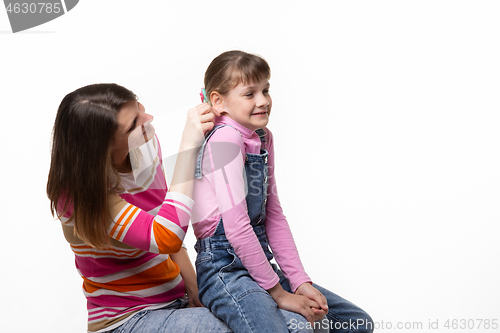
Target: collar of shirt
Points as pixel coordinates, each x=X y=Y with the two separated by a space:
x=245 y=132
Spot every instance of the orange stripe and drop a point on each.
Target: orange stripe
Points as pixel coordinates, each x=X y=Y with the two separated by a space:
x=117 y=224
x=157 y=275
x=126 y=223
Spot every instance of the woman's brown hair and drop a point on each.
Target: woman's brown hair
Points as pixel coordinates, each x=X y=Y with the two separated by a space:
x=81 y=174
x=231 y=68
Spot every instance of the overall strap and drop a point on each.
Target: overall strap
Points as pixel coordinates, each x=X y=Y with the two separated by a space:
x=262 y=135
x=199 y=159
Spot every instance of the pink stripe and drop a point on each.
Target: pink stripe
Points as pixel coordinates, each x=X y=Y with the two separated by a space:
x=132 y=301
x=104 y=266
x=139 y=233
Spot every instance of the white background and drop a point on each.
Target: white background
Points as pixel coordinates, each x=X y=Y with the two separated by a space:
x=386 y=122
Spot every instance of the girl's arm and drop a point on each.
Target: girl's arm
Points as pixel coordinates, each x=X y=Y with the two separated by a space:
x=188 y=274
x=225 y=175
x=282 y=243
x=278 y=231
x=228 y=181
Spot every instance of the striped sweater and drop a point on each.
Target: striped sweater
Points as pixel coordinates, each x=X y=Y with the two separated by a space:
x=135 y=272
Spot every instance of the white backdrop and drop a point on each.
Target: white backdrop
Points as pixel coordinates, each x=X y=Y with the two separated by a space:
x=386 y=119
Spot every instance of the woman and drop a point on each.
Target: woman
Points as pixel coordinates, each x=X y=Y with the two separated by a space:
x=106 y=185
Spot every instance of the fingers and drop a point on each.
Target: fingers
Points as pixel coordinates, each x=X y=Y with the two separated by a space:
x=206 y=108
x=308 y=310
x=207 y=127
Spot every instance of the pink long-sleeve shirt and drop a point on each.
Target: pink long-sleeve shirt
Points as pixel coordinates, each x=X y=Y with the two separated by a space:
x=221 y=193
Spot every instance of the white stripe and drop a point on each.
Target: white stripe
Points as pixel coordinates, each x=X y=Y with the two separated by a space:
x=123 y=220
x=179 y=206
x=151 y=307
x=129 y=224
x=129 y=252
x=129 y=272
x=101 y=256
x=138 y=293
x=153 y=246
x=181 y=198
x=112 y=314
x=171 y=226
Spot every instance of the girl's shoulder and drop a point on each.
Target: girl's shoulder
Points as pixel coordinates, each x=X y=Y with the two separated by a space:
x=227 y=133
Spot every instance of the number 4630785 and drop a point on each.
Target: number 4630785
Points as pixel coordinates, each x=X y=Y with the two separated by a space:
x=471 y=324
x=40 y=7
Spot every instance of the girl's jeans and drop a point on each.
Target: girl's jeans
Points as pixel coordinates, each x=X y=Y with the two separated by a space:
x=228 y=290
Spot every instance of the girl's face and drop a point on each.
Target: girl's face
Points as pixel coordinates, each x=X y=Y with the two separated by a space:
x=248 y=105
x=133 y=130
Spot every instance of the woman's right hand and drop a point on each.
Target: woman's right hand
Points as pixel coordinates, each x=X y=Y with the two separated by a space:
x=295 y=303
x=200 y=120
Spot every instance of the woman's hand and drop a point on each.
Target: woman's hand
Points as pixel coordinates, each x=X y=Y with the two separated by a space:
x=306 y=289
x=295 y=303
x=194 y=301
x=200 y=120
x=188 y=274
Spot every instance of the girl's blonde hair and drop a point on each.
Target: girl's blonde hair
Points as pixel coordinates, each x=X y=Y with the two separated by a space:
x=231 y=68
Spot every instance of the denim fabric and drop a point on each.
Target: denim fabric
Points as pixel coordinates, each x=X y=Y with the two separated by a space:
x=228 y=290
x=173 y=318
x=225 y=286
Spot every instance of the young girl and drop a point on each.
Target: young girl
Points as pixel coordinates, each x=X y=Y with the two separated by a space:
x=238 y=218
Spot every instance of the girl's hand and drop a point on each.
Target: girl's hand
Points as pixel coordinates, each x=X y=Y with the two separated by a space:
x=200 y=120
x=295 y=303
x=306 y=289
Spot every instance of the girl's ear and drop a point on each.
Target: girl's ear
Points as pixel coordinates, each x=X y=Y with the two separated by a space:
x=217 y=101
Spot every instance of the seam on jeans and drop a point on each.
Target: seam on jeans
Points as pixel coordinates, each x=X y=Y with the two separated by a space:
x=255 y=290
x=219 y=275
x=236 y=302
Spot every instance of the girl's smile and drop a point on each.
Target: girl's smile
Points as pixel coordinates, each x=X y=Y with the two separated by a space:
x=248 y=104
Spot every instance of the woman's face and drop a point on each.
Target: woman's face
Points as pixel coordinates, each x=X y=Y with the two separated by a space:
x=133 y=130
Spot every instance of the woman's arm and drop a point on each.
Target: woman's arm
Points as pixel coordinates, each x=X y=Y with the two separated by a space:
x=164 y=232
x=199 y=121
x=188 y=274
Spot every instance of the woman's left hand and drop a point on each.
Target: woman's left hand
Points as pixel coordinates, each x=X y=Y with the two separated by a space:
x=194 y=301
x=306 y=289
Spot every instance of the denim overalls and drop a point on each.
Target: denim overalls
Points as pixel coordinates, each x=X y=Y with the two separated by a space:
x=225 y=286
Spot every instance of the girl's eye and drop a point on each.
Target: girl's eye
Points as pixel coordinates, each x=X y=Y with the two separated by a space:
x=266 y=91
x=133 y=126
x=249 y=95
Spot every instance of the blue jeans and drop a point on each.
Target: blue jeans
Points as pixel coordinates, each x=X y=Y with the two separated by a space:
x=228 y=290
x=173 y=318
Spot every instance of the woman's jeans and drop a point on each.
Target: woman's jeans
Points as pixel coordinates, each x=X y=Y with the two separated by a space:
x=173 y=318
